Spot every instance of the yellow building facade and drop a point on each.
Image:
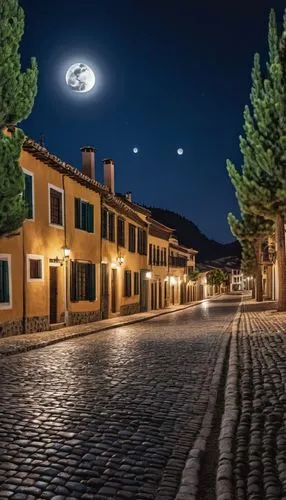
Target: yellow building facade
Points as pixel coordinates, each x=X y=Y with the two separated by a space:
x=84 y=253
x=181 y=264
x=158 y=256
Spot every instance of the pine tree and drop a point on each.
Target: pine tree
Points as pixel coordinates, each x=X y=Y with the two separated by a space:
x=17 y=94
x=252 y=229
x=261 y=187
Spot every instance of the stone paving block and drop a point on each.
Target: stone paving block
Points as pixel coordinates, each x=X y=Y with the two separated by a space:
x=114 y=414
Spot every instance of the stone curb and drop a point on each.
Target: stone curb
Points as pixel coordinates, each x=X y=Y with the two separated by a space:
x=224 y=484
x=189 y=485
x=68 y=336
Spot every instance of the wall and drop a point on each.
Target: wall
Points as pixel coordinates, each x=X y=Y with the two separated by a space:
x=133 y=261
x=84 y=246
x=11 y=319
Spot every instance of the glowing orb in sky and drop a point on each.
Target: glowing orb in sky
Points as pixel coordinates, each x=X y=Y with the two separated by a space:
x=135 y=150
x=80 y=77
x=180 y=151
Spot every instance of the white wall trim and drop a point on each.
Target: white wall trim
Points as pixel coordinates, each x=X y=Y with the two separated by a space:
x=7 y=257
x=60 y=190
x=28 y=172
x=30 y=257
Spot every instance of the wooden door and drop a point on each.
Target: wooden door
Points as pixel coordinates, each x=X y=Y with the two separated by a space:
x=160 y=295
x=53 y=294
x=104 y=291
x=144 y=291
x=165 y=293
x=113 y=289
x=153 y=296
x=173 y=294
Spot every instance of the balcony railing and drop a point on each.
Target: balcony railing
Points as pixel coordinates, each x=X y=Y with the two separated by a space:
x=177 y=261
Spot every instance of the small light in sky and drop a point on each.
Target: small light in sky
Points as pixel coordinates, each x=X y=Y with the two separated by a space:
x=135 y=150
x=180 y=151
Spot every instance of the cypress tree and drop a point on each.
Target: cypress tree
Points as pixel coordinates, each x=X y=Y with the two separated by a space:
x=248 y=261
x=251 y=231
x=17 y=94
x=261 y=186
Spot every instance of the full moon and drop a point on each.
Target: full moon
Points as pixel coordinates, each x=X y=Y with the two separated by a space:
x=80 y=77
x=135 y=150
x=180 y=151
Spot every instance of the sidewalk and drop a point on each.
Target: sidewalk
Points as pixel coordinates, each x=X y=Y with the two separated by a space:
x=252 y=442
x=21 y=343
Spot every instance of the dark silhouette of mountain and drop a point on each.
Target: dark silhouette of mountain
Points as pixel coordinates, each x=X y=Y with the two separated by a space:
x=190 y=236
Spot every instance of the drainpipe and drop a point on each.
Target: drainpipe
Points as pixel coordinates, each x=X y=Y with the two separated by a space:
x=65 y=260
x=100 y=265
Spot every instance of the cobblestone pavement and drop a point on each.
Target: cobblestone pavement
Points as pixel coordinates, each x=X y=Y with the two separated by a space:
x=113 y=415
x=253 y=454
x=21 y=343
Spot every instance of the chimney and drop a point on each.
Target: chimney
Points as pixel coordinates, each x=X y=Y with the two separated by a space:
x=128 y=196
x=108 y=173
x=88 y=161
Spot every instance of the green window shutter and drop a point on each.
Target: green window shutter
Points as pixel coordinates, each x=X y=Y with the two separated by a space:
x=28 y=195
x=74 y=281
x=84 y=216
x=91 y=282
x=150 y=254
x=77 y=213
x=90 y=218
x=125 y=284
x=144 y=243
x=4 y=282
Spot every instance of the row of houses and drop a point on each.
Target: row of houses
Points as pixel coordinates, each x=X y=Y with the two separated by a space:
x=85 y=253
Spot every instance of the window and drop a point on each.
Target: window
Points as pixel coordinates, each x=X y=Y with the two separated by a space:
x=56 y=206
x=158 y=257
x=127 y=284
x=104 y=222
x=150 y=254
x=29 y=193
x=35 y=267
x=111 y=226
x=136 y=283
x=5 y=282
x=83 y=281
x=132 y=238
x=154 y=255
x=84 y=215
x=121 y=232
x=164 y=257
x=142 y=242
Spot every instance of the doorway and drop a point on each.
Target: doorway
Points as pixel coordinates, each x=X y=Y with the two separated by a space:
x=144 y=291
x=113 y=290
x=53 y=294
x=104 y=291
x=154 y=295
x=160 y=295
x=172 y=295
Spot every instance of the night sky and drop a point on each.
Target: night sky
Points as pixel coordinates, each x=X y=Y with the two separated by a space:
x=169 y=74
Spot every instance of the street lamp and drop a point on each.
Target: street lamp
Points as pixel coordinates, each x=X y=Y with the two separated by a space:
x=67 y=253
x=120 y=259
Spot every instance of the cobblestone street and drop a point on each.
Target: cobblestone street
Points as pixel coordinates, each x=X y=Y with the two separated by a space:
x=253 y=436
x=115 y=414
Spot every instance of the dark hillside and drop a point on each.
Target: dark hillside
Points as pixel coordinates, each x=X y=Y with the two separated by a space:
x=190 y=236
